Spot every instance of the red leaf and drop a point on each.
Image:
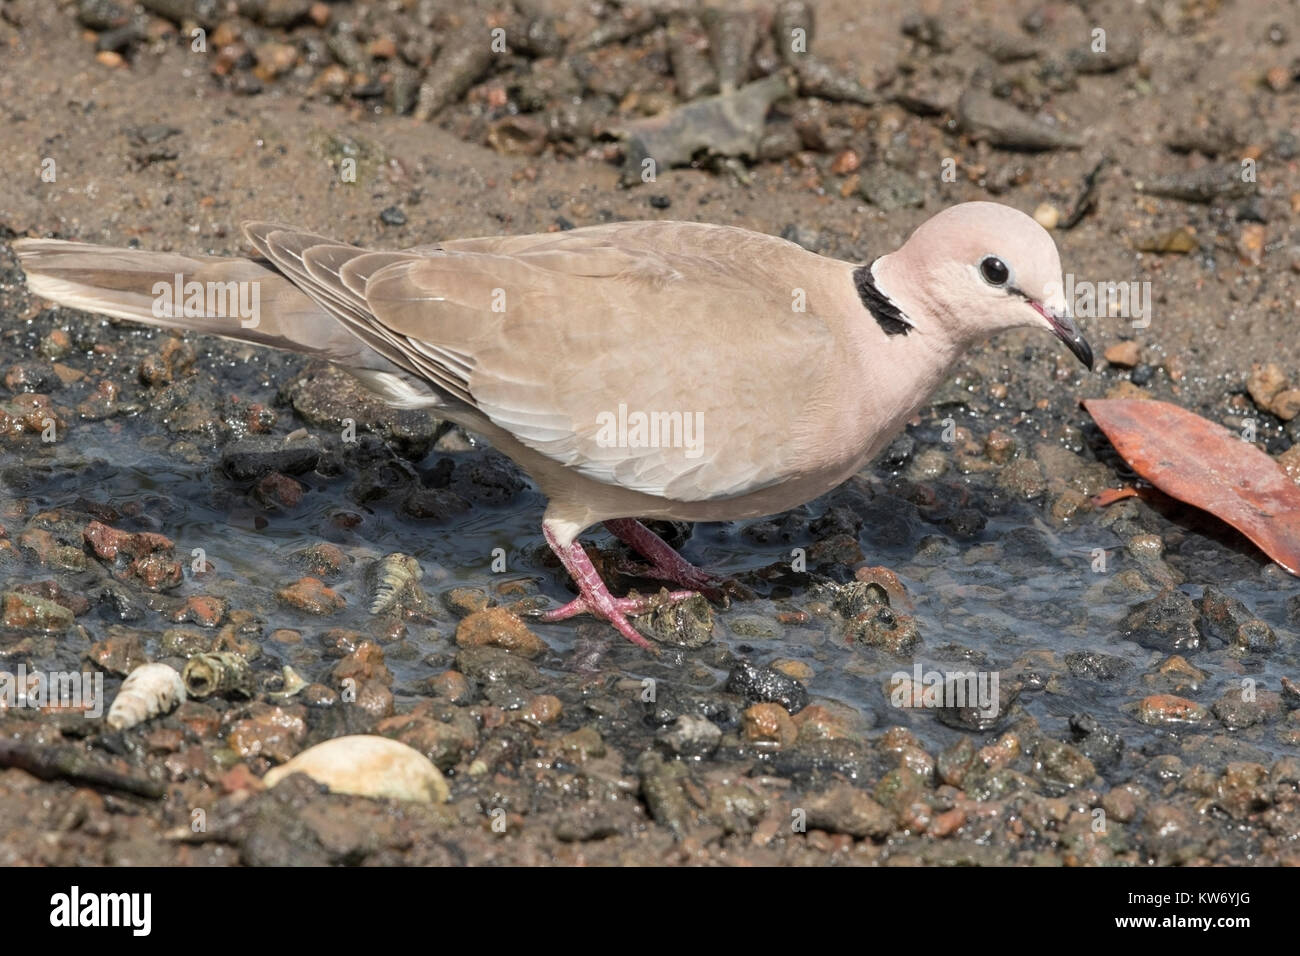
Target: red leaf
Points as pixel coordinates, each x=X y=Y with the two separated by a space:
x=1205 y=465
x=1112 y=495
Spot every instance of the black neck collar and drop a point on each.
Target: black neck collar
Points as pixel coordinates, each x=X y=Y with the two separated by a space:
x=888 y=316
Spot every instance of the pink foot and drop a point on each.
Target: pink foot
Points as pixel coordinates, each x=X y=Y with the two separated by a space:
x=594 y=598
x=624 y=605
x=665 y=563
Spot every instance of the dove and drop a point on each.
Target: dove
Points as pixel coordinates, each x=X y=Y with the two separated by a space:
x=637 y=370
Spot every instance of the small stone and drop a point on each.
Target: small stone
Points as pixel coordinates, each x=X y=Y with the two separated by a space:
x=1230 y=620
x=846 y=809
x=1047 y=216
x=882 y=627
x=999 y=447
x=1124 y=354
x=321 y=560
x=792 y=668
x=257 y=455
x=452 y=686
x=278 y=489
x=769 y=723
x=274 y=59
x=1238 y=710
x=767 y=685
x=497 y=627
x=583 y=744
x=1286 y=404
x=311 y=596
x=687 y=624
x=363 y=665
x=690 y=736
x=26 y=612
x=119 y=653
x=1023 y=477
x=271 y=732
x=1289 y=461
x=392 y=216
x=1167 y=710
x=1122 y=803
x=465 y=601
x=1165 y=623
x=1058 y=761
x=846 y=162
x=1265 y=381
x=542 y=709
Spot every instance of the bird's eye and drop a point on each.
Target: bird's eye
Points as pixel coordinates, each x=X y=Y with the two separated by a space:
x=994 y=270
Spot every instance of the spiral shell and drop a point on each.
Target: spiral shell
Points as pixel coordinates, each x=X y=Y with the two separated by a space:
x=391 y=579
x=148 y=691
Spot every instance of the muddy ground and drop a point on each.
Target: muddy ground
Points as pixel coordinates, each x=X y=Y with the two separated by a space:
x=1144 y=719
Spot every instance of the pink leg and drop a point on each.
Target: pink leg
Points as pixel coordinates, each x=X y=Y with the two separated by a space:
x=666 y=564
x=594 y=597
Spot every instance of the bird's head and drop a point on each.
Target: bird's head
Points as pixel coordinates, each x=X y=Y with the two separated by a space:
x=976 y=269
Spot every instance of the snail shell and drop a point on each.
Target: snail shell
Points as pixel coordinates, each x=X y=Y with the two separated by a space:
x=147 y=692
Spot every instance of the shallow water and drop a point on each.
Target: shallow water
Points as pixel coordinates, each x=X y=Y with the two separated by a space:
x=1016 y=610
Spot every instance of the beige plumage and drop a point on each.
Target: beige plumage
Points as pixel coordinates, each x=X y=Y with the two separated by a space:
x=795 y=368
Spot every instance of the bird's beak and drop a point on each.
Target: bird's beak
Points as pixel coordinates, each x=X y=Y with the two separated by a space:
x=1063 y=325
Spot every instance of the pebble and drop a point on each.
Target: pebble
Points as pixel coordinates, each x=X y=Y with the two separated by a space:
x=764 y=684
x=258 y=455
x=769 y=723
x=799 y=670
x=320 y=560
x=690 y=736
x=497 y=627
x=1165 y=623
x=1168 y=710
x=890 y=189
x=1203 y=185
x=884 y=628
x=275 y=733
x=121 y=652
x=846 y=809
x=311 y=596
x=999 y=123
x=26 y=612
x=1047 y=216
x=687 y=624
x=453 y=686
x=1124 y=354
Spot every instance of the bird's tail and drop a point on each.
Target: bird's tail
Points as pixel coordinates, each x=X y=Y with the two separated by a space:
x=234 y=298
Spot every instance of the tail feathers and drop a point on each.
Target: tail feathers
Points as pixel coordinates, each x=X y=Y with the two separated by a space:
x=234 y=298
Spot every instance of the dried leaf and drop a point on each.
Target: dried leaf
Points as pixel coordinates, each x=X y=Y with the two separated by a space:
x=1205 y=465
x=1112 y=495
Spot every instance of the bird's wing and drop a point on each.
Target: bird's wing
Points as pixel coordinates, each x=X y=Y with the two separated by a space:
x=565 y=340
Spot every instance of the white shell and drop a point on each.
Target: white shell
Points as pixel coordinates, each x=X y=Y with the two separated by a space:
x=148 y=691
x=390 y=578
x=368 y=766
